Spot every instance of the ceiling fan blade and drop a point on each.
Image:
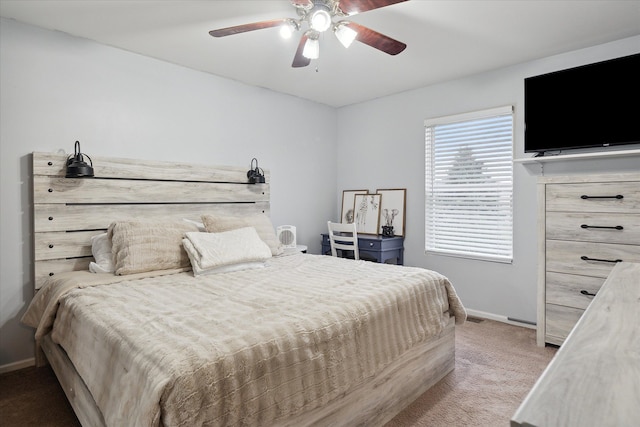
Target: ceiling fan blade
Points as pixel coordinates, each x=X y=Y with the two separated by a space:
x=351 y=7
x=300 y=60
x=376 y=39
x=222 y=32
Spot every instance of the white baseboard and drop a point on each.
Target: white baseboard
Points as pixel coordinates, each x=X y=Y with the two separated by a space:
x=17 y=365
x=498 y=318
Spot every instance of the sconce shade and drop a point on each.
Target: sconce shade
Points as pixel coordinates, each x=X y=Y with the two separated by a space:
x=257 y=179
x=76 y=166
x=255 y=175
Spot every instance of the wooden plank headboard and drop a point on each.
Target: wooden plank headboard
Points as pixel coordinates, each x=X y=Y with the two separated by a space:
x=68 y=211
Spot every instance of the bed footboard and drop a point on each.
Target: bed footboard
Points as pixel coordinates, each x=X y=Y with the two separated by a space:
x=371 y=403
x=379 y=399
x=74 y=387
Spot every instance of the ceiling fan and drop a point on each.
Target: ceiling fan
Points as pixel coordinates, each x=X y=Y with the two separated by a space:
x=319 y=16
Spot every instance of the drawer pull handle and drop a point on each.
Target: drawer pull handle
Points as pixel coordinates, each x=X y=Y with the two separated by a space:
x=585 y=292
x=617 y=227
x=586 y=258
x=618 y=196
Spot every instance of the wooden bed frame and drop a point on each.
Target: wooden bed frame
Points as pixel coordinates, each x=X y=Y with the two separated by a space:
x=68 y=211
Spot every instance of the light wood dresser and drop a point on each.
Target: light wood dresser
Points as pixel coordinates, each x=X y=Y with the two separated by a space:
x=594 y=379
x=587 y=224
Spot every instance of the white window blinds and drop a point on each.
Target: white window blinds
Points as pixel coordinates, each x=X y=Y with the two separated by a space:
x=469 y=185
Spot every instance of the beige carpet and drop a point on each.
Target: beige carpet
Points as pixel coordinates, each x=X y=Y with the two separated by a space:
x=496 y=365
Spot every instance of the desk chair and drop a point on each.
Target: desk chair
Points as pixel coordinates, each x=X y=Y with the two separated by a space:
x=347 y=240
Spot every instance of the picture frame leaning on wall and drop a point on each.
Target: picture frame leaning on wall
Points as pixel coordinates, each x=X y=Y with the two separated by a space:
x=347 y=214
x=367 y=213
x=392 y=209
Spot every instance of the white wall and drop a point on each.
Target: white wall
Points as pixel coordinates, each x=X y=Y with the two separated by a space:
x=56 y=89
x=386 y=136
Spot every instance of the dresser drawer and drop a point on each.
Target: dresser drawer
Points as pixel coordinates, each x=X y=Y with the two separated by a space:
x=600 y=197
x=594 y=227
x=560 y=321
x=564 y=256
x=566 y=289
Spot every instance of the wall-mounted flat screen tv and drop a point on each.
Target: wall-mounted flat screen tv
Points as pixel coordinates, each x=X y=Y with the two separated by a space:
x=595 y=105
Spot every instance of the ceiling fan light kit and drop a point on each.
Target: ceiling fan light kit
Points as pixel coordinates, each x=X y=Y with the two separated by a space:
x=319 y=16
x=344 y=34
x=288 y=27
x=312 y=45
x=320 y=20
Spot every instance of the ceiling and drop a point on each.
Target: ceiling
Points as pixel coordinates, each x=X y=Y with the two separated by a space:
x=445 y=39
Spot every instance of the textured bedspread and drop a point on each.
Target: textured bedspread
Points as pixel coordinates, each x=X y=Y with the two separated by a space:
x=242 y=348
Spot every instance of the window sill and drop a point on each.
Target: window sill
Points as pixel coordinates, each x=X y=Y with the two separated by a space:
x=500 y=260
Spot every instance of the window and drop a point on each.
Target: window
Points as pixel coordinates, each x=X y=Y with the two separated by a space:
x=469 y=185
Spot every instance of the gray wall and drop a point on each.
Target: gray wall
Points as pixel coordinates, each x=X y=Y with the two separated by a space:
x=56 y=89
x=386 y=139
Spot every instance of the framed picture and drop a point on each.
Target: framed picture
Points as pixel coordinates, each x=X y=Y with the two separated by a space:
x=392 y=210
x=367 y=213
x=348 y=202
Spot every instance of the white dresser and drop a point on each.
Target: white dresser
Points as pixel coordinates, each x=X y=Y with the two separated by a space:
x=587 y=224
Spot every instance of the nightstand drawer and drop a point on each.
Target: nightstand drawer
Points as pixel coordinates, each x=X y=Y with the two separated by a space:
x=599 y=258
x=594 y=227
x=566 y=289
x=622 y=197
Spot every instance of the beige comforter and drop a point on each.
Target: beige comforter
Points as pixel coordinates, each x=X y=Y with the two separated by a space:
x=243 y=348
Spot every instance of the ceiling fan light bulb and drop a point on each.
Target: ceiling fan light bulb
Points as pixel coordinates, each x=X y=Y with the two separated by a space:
x=287 y=28
x=320 y=20
x=311 y=49
x=345 y=35
x=286 y=31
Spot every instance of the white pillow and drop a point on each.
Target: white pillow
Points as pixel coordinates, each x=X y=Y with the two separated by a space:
x=101 y=250
x=261 y=222
x=229 y=268
x=227 y=251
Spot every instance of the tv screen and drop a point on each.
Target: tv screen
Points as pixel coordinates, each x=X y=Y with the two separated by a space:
x=596 y=105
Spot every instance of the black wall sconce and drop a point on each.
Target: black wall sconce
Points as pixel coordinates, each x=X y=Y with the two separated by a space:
x=77 y=167
x=255 y=175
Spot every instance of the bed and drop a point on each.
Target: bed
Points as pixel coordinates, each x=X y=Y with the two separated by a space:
x=276 y=339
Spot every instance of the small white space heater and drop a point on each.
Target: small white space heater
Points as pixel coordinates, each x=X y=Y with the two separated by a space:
x=286 y=236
